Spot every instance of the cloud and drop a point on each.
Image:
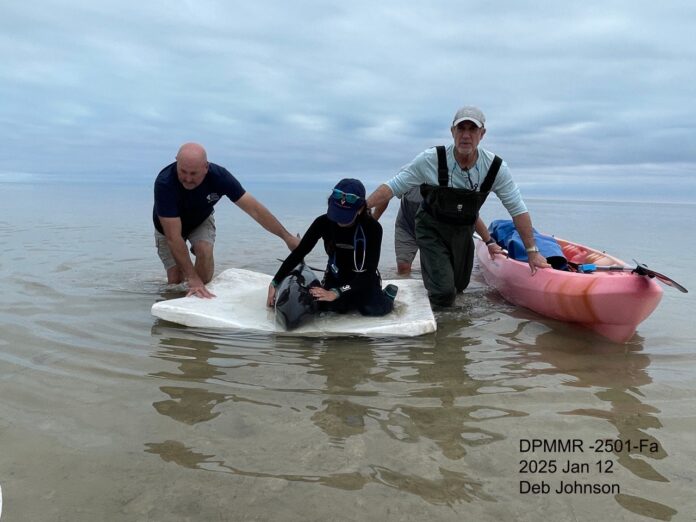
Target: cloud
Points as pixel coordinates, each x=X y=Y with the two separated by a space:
x=279 y=89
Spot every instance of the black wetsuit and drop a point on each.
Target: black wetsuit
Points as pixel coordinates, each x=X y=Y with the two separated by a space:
x=351 y=269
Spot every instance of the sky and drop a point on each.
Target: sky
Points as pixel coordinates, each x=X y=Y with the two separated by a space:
x=579 y=96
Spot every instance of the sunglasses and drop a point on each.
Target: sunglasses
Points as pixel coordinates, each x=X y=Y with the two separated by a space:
x=349 y=198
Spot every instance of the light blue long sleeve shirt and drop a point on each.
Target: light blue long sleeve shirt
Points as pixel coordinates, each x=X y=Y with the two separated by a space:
x=423 y=169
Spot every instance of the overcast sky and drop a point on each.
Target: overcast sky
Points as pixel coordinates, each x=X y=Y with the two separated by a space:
x=315 y=90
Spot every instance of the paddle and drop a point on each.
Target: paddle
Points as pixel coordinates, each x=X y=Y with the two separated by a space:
x=640 y=269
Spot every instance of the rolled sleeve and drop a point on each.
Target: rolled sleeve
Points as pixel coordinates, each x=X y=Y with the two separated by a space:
x=414 y=174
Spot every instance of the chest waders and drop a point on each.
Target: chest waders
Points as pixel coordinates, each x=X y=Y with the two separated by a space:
x=444 y=229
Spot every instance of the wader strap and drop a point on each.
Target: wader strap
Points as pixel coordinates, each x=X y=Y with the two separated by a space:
x=492 y=173
x=442 y=170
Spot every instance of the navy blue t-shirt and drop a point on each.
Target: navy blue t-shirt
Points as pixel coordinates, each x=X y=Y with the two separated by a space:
x=192 y=206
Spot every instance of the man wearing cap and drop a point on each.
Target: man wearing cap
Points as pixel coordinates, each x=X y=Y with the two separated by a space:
x=455 y=181
x=185 y=193
x=353 y=242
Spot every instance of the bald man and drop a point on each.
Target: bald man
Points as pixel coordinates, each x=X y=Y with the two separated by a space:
x=185 y=193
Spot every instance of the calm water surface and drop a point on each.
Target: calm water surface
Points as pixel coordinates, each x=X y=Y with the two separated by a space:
x=109 y=414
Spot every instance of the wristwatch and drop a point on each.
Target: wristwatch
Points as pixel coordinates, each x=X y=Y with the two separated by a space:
x=490 y=241
x=532 y=249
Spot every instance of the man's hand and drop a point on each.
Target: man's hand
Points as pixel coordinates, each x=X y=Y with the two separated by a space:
x=263 y=217
x=292 y=242
x=270 y=300
x=536 y=260
x=323 y=295
x=197 y=288
x=493 y=249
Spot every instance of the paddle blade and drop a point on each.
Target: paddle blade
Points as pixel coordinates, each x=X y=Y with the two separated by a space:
x=642 y=269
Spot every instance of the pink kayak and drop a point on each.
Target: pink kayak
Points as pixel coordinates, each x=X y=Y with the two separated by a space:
x=609 y=303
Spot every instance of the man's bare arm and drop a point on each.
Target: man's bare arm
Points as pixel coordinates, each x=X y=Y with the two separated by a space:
x=378 y=211
x=263 y=217
x=379 y=199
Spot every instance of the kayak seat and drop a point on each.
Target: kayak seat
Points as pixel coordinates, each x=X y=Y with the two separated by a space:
x=573 y=253
x=578 y=255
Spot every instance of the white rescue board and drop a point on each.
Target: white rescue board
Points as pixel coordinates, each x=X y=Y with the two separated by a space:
x=241 y=305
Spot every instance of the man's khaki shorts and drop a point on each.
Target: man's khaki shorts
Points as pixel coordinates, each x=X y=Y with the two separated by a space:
x=405 y=245
x=203 y=232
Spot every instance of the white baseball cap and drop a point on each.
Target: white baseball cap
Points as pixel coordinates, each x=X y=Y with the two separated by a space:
x=469 y=113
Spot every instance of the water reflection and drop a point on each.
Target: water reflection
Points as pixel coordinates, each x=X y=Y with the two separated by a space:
x=192 y=356
x=386 y=385
x=439 y=377
x=344 y=371
x=406 y=389
x=187 y=404
x=451 y=487
x=404 y=414
x=616 y=372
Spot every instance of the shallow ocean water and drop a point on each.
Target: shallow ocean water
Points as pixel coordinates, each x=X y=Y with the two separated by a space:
x=107 y=413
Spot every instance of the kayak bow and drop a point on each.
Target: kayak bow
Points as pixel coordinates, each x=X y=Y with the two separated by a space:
x=610 y=302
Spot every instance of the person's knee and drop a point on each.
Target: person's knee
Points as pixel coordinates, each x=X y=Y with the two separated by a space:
x=440 y=283
x=205 y=264
x=202 y=250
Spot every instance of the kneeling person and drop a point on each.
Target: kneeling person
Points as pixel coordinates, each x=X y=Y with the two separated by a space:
x=185 y=193
x=352 y=240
